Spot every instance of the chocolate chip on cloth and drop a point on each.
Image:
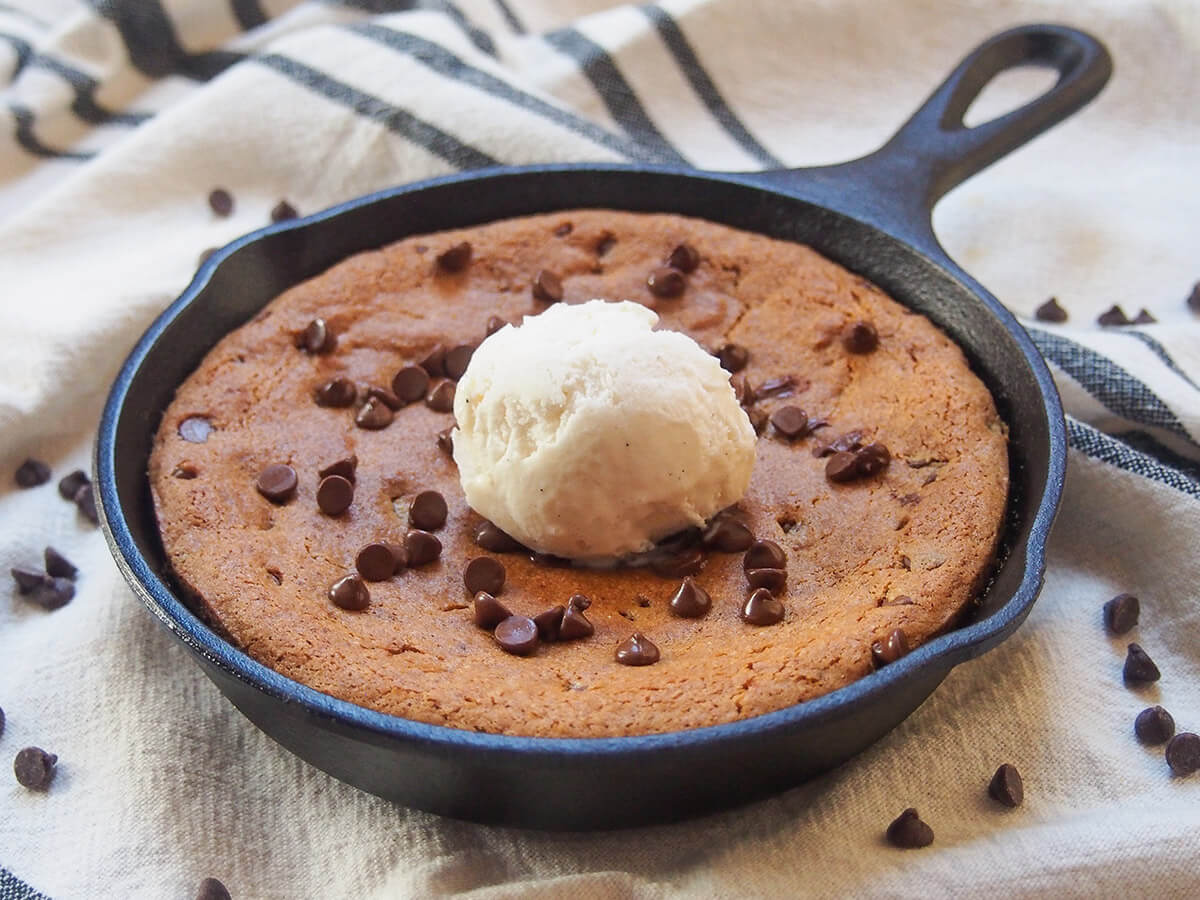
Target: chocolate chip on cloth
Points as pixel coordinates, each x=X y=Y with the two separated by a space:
x=31 y=473
x=1050 y=311
x=27 y=579
x=1114 y=315
x=410 y=383
x=890 y=649
x=421 y=547
x=211 y=889
x=488 y=612
x=1154 y=725
x=350 y=593
x=428 y=511
x=456 y=258
x=637 y=650
x=69 y=485
x=220 y=201
x=277 y=482
x=317 y=337
x=58 y=565
x=335 y=494
x=690 y=600
x=35 y=768
x=1139 y=667
x=54 y=593
x=374 y=415
x=484 y=574
x=547 y=287
x=1121 y=613
x=762 y=608
x=1183 y=753
x=909 y=832
x=85 y=502
x=1006 y=786
x=860 y=337
x=1193 y=300
x=282 y=211
x=517 y=635
x=666 y=282
x=1144 y=318
x=338 y=393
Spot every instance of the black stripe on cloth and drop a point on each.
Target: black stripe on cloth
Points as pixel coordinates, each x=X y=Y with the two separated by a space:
x=29 y=141
x=510 y=17
x=442 y=61
x=1114 y=387
x=1161 y=352
x=622 y=103
x=22 y=48
x=249 y=13
x=476 y=35
x=152 y=45
x=13 y=888
x=1144 y=442
x=402 y=122
x=685 y=57
x=1106 y=448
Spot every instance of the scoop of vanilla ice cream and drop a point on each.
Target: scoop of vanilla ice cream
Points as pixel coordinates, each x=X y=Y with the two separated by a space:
x=586 y=434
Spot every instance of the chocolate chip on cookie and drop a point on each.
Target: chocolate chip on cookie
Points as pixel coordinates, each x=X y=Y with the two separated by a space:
x=690 y=600
x=374 y=415
x=428 y=511
x=277 y=482
x=890 y=649
x=441 y=398
x=517 y=635
x=685 y=258
x=337 y=393
x=637 y=650
x=410 y=384
x=547 y=287
x=380 y=560
x=346 y=467
x=790 y=422
x=488 y=612
x=489 y=537
x=1114 y=315
x=421 y=547
x=350 y=593
x=318 y=337
x=762 y=608
x=220 y=201
x=666 y=282
x=764 y=555
x=335 y=494
x=484 y=574
x=456 y=258
x=727 y=535
x=733 y=357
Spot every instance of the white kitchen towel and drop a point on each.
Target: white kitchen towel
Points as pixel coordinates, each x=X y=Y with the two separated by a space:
x=119 y=117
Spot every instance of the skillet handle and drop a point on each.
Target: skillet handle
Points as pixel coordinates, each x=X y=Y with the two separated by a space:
x=934 y=151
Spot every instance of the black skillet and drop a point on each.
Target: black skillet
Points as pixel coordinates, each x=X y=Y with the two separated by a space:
x=873 y=215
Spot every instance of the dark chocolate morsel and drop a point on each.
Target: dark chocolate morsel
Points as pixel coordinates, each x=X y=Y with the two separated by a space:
x=445 y=440
x=318 y=337
x=484 y=574
x=605 y=244
x=547 y=287
x=34 y=768
x=384 y=396
x=579 y=601
x=456 y=258
x=890 y=649
x=1144 y=318
x=1139 y=667
x=575 y=624
x=1050 y=311
x=774 y=580
x=685 y=258
x=758 y=419
x=637 y=650
x=1006 y=786
x=31 y=473
x=338 y=393
x=282 y=211
x=494 y=324
x=860 y=337
x=908 y=832
x=683 y=561
x=779 y=386
x=489 y=537
x=85 y=502
x=790 y=422
x=435 y=362
x=1121 y=613
x=211 y=889
x=428 y=511
x=1154 y=725
x=27 y=579
x=517 y=635
x=350 y=593
x=1193 y=300
x=58 y=565
x=410 y=384
x=765 y=555
x=441 y=398
x=762 y=608
x=733 y=357
x=346 y=467
x=727 y=536
x=666 y=282
x=220 y=201
x=378 y=561
x=690 y=600
x=374 y=415
x=1183 y=753
x=871 y=459
x=277 y=482
x=842 y=467
x=421 y=547
x=1114 y=315
x=69 y=485
x=457 y=360
x=488 y=612
x=549 y=622
x=335 y=494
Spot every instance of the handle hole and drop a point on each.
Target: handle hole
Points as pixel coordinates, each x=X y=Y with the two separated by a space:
x=1009 y=90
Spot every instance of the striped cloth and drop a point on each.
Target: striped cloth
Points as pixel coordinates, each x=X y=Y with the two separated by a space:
x=118 y=118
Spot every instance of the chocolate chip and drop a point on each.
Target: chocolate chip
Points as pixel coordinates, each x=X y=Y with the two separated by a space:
x=205 y=256
x=579 y=601
x=1139 y=667
x=774 y=580
x=441 y=398
x=334 y=495
x=421 y=547
x=54 y=593
x=211 y=889
x=549 y=622
x=762 y=608
x=282 y=211
x=338 y=393
x=1154 y=725
x=28 y=579
x=1121 y=613
x=547 y=287
x=900 y=600
x=890 y=649
x=790 y=422
x=445 y=440
x=350 y=593
x=185 y=470
x=384 y=396
x=872 y=459
x=605 y=244
x=494 y=324
x=1144 y=318
x=277 y=482
x=851 y=440
x=374 y=415
x=908 y=832
x=685 y=258
x=220 y=201
x=345 y=467
x=842 y=467
x=318 y=337
x=31 y=473
x=58 y=565
x=1006 y=786
x=860 y=337
x=85 y=502
x=428 y=512
x=1193 y=300
x=1050 y=311
x=666 y=282
x=34 y=768
x=1114 y=315
x=743 y=390
x=564 y=229
x=637 y=650
x=733 y=357
x=765 y=555
x=489 y=537
x=69 y=485
x=484 y=573
x=457 y=360
x=456 y=258
x=680 y=562
x=575 y=624
x=1183 y=753
x=690 y=600
x=758 y=419
x=379 y=560
x=435 y=362
x=488 y=611
x=727 y=536
x=517 y=635
x=780 y=386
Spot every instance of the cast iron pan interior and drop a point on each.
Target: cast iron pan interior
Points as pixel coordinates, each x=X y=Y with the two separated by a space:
x=873 y=216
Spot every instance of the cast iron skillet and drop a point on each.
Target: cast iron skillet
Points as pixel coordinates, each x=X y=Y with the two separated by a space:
x=873 y=216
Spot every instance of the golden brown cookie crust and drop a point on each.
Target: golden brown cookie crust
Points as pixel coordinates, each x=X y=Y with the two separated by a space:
x=926 y=529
